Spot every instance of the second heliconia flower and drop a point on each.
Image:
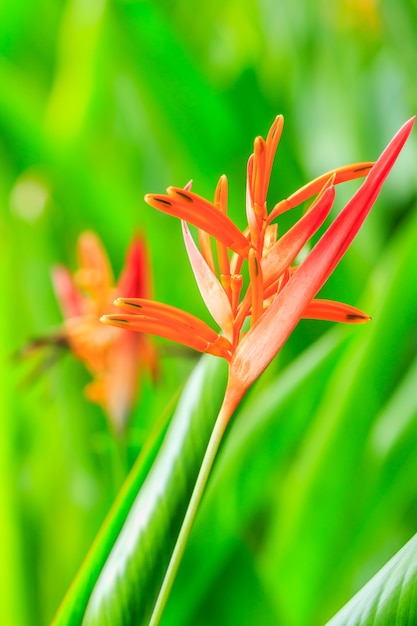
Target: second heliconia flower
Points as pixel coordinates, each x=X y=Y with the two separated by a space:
x=277 y=293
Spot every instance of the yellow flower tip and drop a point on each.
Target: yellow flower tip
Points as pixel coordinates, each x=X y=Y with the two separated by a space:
x=221 y=194
x=259 y=145
x=110 y=320
x=183 y=194
x=277 y=125
x=155 y=199
x=126 y=302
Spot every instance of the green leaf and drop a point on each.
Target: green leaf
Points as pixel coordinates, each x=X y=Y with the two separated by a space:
x=129 y=582
x=390 y=597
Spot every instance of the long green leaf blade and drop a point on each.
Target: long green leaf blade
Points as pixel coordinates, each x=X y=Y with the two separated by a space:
x=390 y=597
x=73 y=606
x=130 y=580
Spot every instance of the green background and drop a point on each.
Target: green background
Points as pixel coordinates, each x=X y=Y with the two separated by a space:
x=102 y=102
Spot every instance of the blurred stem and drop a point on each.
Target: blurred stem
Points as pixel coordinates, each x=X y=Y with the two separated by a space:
x=118 y=460
x=216 y=437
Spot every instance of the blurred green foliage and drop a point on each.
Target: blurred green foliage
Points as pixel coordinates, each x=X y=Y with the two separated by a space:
x=101 y=102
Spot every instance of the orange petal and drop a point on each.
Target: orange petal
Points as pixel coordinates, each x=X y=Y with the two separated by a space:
x=341 y=175
x=169 y=315
x=256 y=286
x=204 y=241
x=332 y=311
x=180 y=332
x=251 y=216
x=156 y=327
x=220 y=201
x=95 y=274
x=232 y=284
x=212 y=292
x=258 y=183
x=196 y=210
x=272 y=142
x=263 y=158
x=221 y=194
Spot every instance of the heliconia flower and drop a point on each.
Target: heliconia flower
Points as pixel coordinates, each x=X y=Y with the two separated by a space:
x=113 y=357
x=256 y=316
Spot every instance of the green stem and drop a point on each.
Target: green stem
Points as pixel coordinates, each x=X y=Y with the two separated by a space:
x=200 y=485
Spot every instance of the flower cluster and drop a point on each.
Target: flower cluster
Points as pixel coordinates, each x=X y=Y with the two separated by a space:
x=278 y=293
x=113 y=357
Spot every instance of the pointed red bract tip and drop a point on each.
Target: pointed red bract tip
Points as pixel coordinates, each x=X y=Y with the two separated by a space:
x=135 y=280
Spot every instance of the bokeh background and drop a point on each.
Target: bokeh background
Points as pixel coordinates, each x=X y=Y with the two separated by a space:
x=103 y=101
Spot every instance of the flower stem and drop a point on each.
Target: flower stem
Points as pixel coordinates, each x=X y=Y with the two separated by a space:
x=196 y=496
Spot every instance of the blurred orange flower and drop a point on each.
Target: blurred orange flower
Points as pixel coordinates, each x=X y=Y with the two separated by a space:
x=256 y=316
x=113 y=357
